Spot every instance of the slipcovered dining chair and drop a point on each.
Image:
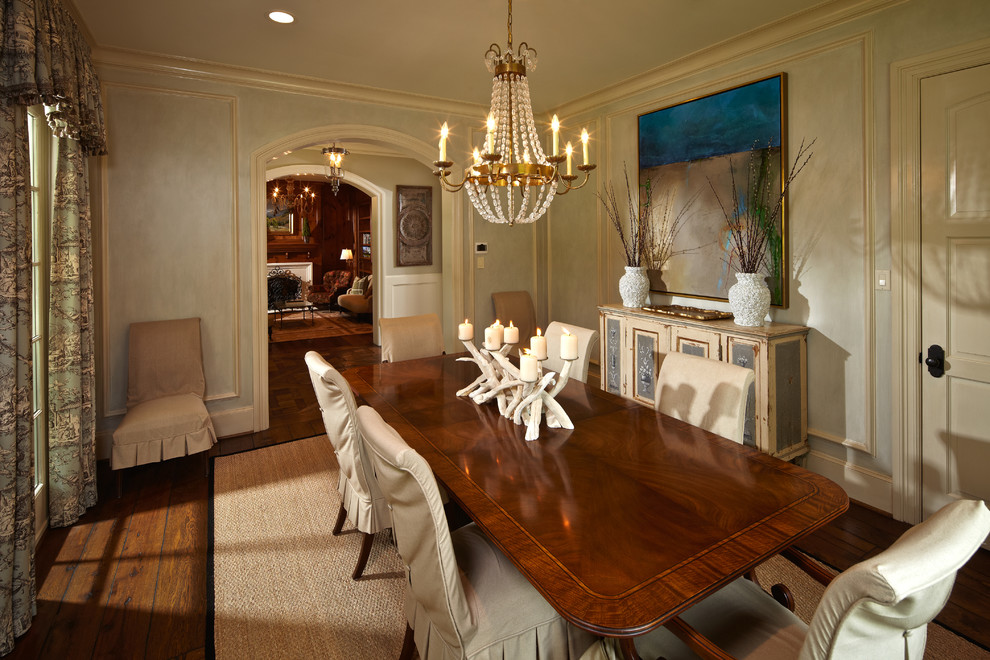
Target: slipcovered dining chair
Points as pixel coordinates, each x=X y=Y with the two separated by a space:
x=704 y=392
x=361 y=500
x=464 y=598
x=879 y=608
x=516 y=306
x=166 y=417
x=411 y=337
x=586 y=344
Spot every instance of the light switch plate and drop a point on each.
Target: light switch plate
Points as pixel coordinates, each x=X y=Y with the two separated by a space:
x=481 y=262
x=882 y=279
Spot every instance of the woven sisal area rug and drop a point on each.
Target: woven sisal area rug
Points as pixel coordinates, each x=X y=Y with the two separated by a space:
x=281 y=582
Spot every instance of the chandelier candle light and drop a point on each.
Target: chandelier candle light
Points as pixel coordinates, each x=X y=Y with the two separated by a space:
x=302 y=202
x=335 y=159
x=521 y=392
x=513 y=158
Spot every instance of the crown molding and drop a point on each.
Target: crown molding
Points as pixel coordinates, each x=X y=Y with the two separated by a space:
x=745 y=45
x=181 y=67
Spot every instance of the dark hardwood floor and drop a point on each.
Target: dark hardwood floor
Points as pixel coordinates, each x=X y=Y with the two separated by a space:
x=129 y=580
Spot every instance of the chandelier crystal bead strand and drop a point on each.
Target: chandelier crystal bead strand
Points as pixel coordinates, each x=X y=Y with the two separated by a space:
x=511 y=179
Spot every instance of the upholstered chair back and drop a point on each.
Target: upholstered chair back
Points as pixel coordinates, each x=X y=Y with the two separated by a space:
x=423 y=539
x=164 y=358
x=880 y=608
x=362 y=499
x=335 y=280
x=516 y=306
x=410 y=337
x=706 y=393
x=586 y=340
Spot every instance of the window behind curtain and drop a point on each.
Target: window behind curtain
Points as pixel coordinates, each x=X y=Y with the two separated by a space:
x=40 y=144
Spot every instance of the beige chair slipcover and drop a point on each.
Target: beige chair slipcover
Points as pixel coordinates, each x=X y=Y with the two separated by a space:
x=166 y=417
x=586 y=344
x=879 y=608
x=361 y=499
x=516 y=306
x=706 y=393
x=411 y=337
x=464 y=598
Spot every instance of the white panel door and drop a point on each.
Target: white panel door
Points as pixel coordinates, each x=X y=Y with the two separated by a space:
x=955 y=304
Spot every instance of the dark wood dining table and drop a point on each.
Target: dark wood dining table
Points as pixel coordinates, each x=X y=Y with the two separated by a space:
x=620 y=523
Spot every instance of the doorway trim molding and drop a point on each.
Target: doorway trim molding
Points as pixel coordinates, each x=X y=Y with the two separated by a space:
x=905 y=248
x=380 y=203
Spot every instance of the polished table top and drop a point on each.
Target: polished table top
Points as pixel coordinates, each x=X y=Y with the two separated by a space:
x=620 y=523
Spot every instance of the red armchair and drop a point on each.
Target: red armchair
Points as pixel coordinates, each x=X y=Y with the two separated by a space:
x=335 y=282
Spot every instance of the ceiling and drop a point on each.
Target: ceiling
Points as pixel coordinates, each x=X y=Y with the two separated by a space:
x=434 y=48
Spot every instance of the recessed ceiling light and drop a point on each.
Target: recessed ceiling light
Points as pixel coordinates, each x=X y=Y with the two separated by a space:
x=281 y=16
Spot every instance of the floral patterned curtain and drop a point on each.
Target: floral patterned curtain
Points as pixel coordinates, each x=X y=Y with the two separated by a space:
x=44 y=59
x=17 y=586
x=71 y=436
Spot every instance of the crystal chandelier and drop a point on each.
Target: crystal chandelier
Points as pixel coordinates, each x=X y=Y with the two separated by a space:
x=513 y=181
x=335 y=158
x=302 y=202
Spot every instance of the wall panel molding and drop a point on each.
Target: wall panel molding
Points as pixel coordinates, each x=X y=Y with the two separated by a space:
x=231 y=298
x=406 y=295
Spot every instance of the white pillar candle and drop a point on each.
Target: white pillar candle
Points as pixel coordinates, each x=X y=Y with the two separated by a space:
x=492 y=341
x=500 y=329
x=490 y=138
x=511 y=334
x=538 y=345
x=528 y=367
x=570 y=152
x=568 y=346
x=465 y=331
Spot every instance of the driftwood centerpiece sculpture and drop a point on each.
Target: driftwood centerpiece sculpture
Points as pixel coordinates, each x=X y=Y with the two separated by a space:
x=524 y=394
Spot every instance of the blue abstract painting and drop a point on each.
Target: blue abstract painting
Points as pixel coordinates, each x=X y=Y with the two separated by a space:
x=690 y=147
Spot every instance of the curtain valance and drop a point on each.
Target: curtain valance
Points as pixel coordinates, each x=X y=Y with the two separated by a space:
x=45 y=59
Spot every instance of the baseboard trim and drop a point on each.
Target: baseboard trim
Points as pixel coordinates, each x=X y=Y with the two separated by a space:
x=233 y=422
x=863 y=485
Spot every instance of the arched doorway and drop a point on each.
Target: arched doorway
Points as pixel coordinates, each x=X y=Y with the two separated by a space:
x=381 y=222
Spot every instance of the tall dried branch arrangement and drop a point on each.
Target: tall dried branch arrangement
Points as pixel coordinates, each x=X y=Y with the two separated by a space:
x=633 y=243
x=663 y=224
x=752 y=220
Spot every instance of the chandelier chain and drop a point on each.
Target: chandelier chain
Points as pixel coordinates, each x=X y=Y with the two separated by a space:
x=509 y=26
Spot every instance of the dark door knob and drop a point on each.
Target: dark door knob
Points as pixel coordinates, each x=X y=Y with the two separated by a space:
x=936 y=360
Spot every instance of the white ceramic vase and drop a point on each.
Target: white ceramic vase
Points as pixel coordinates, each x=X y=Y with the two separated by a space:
x=749 y=299
x=634 y=286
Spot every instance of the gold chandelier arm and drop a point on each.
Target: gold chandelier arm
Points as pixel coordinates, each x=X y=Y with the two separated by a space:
x=442 y=173
x=567 y=180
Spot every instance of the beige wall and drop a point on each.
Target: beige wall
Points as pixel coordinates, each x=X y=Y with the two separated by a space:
x=178 y=215
x=179 y=236
x=839 y=213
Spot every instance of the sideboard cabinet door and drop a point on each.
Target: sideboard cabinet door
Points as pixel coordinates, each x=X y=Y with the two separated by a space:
x=611 y=333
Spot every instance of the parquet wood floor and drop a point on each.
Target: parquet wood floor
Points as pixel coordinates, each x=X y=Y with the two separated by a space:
x=129 y=580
